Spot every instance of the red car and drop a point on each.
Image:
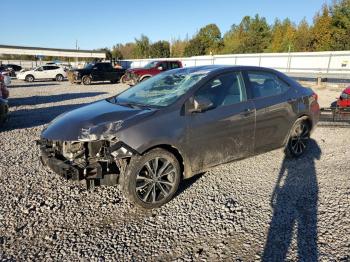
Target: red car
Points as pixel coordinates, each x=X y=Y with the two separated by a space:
x=344 y=99
x=135 y=75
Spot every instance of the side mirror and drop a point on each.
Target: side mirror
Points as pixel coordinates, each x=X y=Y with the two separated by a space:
x=160 y=68
x=201 y=104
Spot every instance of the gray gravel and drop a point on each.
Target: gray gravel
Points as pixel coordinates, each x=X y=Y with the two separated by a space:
x=230 y=213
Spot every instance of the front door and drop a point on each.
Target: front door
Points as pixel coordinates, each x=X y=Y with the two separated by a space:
x=225 y=132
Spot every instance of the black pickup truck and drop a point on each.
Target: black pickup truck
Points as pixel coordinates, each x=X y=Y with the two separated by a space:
x=101 y=71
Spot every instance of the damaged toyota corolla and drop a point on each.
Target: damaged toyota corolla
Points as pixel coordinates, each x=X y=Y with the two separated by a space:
x=178 y=124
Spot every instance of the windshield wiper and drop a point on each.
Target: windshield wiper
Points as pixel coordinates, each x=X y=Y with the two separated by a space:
x=133 y=105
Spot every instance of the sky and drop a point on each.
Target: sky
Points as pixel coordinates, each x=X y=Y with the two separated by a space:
x=103 y=23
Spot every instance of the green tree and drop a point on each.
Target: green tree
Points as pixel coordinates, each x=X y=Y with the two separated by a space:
x=116 y=51
x=283 y=36
x=210 y=37
x=178 y=47
x=233 y=40
x=302 y=39
x=195 y=47
x=142 y=47
x=322 y=31
x=160 y=49
x=341 y=25
x=256 y=34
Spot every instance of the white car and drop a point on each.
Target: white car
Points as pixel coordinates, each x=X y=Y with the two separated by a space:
x=43 y=72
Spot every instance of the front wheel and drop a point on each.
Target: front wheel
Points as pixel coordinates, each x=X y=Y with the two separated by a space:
x=59 y=78
x=86 y=80
x=29 y=78
x=299 y=139
x=152 y=179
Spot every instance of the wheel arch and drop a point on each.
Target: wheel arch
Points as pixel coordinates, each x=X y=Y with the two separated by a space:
x=29 y=75
x=144 y=76
x=305 y=118
x=185 y=169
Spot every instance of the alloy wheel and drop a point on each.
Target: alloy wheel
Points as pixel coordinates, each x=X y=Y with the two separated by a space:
x=155 y=180
x=299 y=138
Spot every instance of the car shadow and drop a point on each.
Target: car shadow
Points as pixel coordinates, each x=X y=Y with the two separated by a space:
x=294 y=202
x=37 y=100
x=27 y=118
x=31 y=85
x=185 y=184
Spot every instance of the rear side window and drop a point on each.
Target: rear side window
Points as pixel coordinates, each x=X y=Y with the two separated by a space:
x=266 y=84
x=223 y=90
x=174 y=65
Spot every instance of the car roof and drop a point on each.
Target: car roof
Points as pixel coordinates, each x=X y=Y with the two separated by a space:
x=213 y=69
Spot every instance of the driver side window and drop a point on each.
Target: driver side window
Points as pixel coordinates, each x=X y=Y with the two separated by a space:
x=223 y=90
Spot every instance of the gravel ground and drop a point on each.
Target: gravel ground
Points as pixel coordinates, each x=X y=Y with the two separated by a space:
x=261 y=208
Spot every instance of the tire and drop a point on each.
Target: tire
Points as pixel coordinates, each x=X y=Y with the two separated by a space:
x=122 y=79
x=29 y=78
x=151 y=193
x=299 y=139
x=86 y=80
x=59 y=78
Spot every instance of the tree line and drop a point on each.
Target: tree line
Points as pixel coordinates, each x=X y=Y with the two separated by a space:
x=330 y=31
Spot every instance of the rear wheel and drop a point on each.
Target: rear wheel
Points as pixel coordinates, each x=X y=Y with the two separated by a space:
x=59 y=77
x=29 y=78
x=86 y=80
x=151 y=180
x=299 y=139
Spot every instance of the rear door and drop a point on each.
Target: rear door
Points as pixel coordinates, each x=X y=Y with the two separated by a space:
x=225 y=132
x=275 y=109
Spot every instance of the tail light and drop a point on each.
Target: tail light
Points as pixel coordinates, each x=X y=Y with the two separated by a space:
x=315 y=96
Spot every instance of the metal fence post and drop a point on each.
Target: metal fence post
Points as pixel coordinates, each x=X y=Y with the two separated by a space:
x=329 y=62
x=259 y=60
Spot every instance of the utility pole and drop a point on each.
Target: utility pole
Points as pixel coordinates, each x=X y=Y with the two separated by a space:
x=76 y=48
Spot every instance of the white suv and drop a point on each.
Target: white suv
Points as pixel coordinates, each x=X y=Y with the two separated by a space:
x=43 y=72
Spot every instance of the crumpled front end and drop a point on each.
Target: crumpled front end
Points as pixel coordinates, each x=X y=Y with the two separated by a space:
x=96 y=162
x=131 y=78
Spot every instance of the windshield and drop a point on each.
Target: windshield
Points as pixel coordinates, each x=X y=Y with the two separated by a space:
x=89 y=66
x=162 y=89
x=150 y=65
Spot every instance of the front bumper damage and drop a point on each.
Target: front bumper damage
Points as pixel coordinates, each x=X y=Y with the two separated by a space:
x=131 y=79
x=96 y=162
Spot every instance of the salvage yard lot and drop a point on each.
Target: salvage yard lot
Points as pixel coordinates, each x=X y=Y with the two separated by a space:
x=234 y=211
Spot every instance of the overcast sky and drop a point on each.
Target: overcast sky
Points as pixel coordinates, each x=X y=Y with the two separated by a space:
x=104 y=23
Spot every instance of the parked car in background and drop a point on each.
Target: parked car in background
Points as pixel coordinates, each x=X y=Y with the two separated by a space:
x=12 y=69
x=101 y=71
x=6 y=77
x=135 y=75
x=344 y=100
x=178 y=124
x=4 y=94
x=52 y=72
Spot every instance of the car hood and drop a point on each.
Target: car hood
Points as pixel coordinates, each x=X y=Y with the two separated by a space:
x=99 y=120
x=82 y=70
x=138 y=70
